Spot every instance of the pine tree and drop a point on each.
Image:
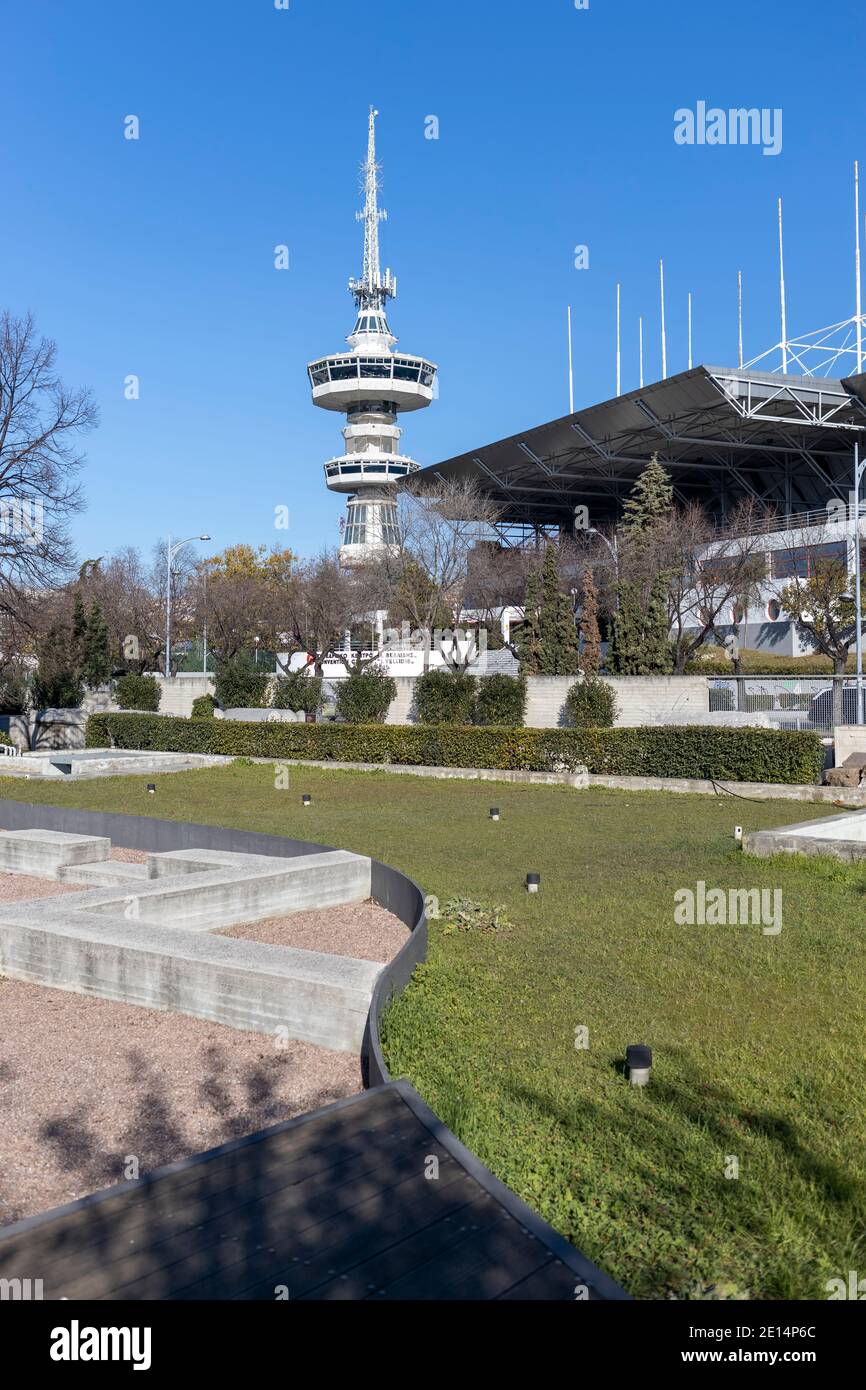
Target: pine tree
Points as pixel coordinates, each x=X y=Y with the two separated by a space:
x=590 y=637
x=548 y=644
x=650 y=500
x=95 y=664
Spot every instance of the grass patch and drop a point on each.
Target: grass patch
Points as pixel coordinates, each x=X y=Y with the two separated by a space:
x=758 y=1041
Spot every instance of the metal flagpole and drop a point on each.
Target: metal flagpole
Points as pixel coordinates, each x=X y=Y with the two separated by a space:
x=618 y=354
x=168 y=610
x=858 y=301
x=740 y=314
x=782 y=294
x=640 y=349
x=664 y=336
x=570 y=368
x=690 y=330
x=857 y=611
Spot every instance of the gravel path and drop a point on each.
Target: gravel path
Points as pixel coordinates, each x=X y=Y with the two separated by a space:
x=364 y=931
x=15 y=888
x=86 y=1083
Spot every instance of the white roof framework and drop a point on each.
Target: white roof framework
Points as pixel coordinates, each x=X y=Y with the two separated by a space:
x=831 y=351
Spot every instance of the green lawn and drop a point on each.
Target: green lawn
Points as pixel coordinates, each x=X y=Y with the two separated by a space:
x=758 y=1040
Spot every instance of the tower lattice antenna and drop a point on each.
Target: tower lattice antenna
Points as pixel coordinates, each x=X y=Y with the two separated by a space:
x=373 y=290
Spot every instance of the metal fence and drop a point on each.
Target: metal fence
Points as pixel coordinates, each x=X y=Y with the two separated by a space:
x=789 y=702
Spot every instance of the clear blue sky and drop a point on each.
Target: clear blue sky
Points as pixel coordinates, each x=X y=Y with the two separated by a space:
x=155 y=257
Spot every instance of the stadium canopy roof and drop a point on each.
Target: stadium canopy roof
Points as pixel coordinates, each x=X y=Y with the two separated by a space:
x=785 y=441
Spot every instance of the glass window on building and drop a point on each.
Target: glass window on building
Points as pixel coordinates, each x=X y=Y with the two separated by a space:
x=800 y=562
x=389 y=525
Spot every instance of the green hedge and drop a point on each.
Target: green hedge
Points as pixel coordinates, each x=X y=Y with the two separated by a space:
x=138 y=692
x=737 y=755
x=445 y=697
x=364 y=696
x=501 y=700
x=713 y=661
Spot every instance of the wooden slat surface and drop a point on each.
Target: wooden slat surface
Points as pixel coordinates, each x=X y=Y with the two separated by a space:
x=336 y=1206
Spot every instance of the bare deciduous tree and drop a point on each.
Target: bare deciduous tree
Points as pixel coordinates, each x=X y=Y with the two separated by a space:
x=40 y=421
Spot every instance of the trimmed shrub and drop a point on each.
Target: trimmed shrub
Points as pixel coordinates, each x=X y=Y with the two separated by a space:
x=591 y=704
x=239 y=684
x=733 y=755
x=298 y=692
x=203 y=707
x=5 y=739
x=138 y=692
x=364 y=697
x=445 y=697
x=712 y=661
x=501 y=700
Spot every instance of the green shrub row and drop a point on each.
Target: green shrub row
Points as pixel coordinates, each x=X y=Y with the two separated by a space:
x=739 y=755
x=713 y=661
x=451 y=697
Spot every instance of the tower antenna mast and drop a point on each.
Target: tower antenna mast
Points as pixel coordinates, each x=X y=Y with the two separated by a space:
x=372 y=291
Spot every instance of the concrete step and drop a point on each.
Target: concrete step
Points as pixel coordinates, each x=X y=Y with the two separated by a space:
x=113 y=873
x=46 y=852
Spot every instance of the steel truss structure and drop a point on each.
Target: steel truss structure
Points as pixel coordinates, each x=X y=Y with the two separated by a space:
x=821 y=352
x=724 y=434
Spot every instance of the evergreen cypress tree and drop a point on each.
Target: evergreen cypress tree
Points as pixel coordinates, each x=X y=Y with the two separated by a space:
x=650 y=499
x=590 y=655
x=657 y=654
x=78 y=640
x=547 y=643
x=640 y=644
x=95 y=664
x=624 y=656
x=528 y=637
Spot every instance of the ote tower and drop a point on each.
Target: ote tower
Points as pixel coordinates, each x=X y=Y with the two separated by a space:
x=370 y=384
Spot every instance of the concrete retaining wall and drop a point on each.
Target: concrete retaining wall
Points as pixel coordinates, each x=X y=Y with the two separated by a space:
x=641 y=699
x=178 y=693
x=150 y=941
x=243 y=984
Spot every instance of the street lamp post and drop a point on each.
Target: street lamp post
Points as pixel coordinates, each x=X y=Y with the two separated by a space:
x=591 y=531
x=171 y=551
